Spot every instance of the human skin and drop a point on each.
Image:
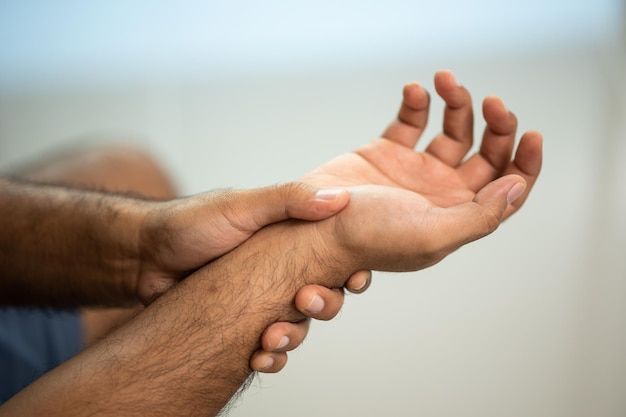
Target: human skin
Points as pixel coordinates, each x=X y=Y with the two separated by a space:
x=67 y=217
x=188 y=352
x=441 y=173
x=94 y=253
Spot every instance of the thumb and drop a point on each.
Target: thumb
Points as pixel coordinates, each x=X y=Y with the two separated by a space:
x=263 y=206
x=495 y=197
x=473 y=220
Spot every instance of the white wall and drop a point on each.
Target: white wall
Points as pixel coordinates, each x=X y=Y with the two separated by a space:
x=530 y=321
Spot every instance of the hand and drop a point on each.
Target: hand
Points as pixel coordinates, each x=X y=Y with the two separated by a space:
x=418 y=186
x=183 y=235
x=407 y=210
x=313 y=301
x=180 y=236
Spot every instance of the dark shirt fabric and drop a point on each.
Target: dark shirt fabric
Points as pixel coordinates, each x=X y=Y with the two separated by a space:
x=32 y=342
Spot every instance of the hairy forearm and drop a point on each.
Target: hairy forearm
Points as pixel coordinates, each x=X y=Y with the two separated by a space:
x=188 y=352
x=65 y=247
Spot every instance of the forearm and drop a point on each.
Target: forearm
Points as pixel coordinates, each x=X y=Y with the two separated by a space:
x=66 y=247
x=188 y=352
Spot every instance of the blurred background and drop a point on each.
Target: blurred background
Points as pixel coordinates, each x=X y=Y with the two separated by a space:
x=529 y=321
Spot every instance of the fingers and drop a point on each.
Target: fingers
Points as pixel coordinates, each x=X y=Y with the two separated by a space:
x=313 y=300
x=458 y=121
x=308 y=203
x=496 y=147
x=319 y=302
x=250 y=210
x=527 y=164
x=470 y=221
x=284 y=336
x=412 y=116
x=278 y=339
x=359 y=282
x=268 y=362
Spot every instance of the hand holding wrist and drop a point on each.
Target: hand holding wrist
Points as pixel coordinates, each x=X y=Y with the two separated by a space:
x=180 y=236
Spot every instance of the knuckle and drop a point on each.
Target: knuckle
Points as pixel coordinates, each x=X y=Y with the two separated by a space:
x=293 y=190
x=490 y=222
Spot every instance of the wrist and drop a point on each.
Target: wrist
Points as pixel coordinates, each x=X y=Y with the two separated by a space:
x=108 y=258
x=286 y=257
x=121 y=242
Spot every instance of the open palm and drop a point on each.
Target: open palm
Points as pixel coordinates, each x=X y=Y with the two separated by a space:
x=410 y=209
x=408 y=195
x=442 y=173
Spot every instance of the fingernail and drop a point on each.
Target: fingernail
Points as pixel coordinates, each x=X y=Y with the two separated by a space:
x=361 y=285
x=328 y=194
x=515 y=191
x=283 y=342
x=269 y=362
x=316 y=305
